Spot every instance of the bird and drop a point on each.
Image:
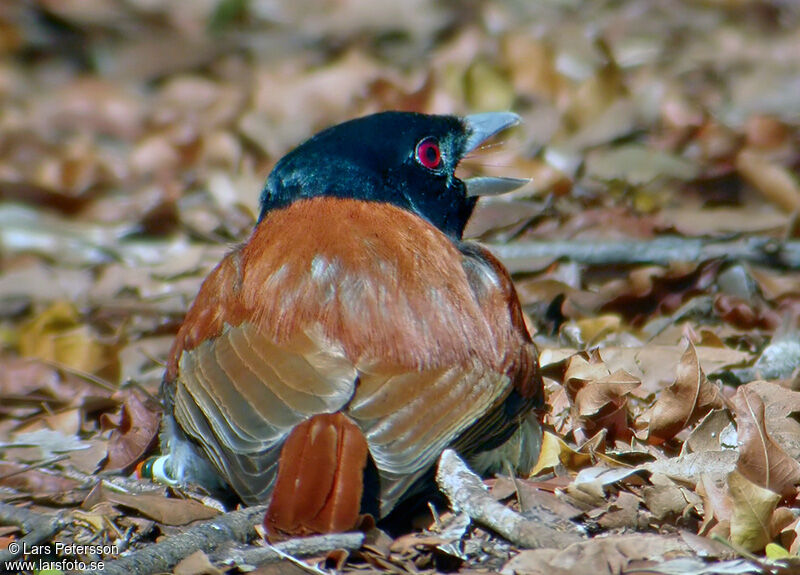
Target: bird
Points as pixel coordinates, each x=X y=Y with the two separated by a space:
x=328 y=360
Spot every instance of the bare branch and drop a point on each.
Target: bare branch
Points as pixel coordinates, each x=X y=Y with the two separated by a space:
x=300 y=547
x=467 y=493
x=38 y=527
x=207 y=536
x=526 y=256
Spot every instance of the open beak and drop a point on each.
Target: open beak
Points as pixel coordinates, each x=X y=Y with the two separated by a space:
x=481 y=127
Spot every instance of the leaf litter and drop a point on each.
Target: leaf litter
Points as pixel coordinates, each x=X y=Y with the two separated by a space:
x=134 y=139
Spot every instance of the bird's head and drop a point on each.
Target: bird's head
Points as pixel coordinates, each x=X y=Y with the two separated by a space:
x=402 y=158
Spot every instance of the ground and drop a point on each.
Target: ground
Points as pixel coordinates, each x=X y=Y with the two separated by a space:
x=654 y=251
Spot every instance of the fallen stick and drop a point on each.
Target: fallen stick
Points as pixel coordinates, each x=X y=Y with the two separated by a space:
x=38 y=527
x=300 y=547
x=161 y=557
x=520 y=256
x=468 y=494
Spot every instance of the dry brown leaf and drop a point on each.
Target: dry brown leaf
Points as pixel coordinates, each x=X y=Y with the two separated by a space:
x=717 y=504
x=666 y=500
x=534 y=499
x=36 y=482
x=783 y=518
x=790 y=536
x=162 y=509
x=599 y=556
x=654 y=290
x=637 y=165
x=694 y=220
x=746 y=315
x=684 y=402
x=67 y=421
x=487 y=87
x=593 y=394
x=498 y=214
x=22 y=377
x=88 y=460
x=689 y=468
x=593 y=98
x=715 y=432
x=780 y=406
x=766 y=132
x=599 y=398
x=196 y=564
x=133 y=435
x=774 y=284
x=761 y=460
x=622 y=513
x=774 y=181
x=291 y=103
x=655 y=365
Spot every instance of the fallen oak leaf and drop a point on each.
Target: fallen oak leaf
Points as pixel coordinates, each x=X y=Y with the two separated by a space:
x=615 y=420
x=599 y=556
x=135 y=432
x=598 y=397
x=684 y=402
x=690 y=468
x=751 y=519
x=781 y=406
x=717 y=504
x=162 y=509
x=611 y=388
x=715 y=431
x=789 y=536
x=761 y=459
x=666 y=499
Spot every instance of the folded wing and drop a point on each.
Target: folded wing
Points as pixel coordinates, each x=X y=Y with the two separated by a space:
x=345 y=306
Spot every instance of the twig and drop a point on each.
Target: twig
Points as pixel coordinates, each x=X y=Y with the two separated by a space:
x=84 y=375
x=37 y=465
x=520 y=256
x=468 y=494
x=207 y=536
x=39 y=527
x=295 y=561
x=300 y=547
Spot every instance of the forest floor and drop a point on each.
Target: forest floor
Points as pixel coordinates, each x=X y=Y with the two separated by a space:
x=656 y=252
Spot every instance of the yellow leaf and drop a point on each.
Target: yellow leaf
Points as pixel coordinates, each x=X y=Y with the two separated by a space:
x=488 y=88
x=554 y=451
x=57 y=335
x=594 y=328
x=775 y=551
x=753 y=507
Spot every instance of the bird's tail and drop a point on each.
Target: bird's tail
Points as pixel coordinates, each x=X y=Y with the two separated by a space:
x=320 y=478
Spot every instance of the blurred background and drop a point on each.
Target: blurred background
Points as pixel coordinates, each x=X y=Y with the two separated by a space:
x=135 y=136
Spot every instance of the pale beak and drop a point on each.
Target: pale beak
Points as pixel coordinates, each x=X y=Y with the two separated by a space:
x=491 y=186
x=481 y=127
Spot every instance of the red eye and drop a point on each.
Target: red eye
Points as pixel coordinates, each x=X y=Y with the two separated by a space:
x=428 y=153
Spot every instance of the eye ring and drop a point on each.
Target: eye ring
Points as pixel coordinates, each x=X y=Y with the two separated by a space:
x=428 y=154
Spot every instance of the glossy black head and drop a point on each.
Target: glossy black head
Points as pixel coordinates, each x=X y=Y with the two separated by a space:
x=402 y=158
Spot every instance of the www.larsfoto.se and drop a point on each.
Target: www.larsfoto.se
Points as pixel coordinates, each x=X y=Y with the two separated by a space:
x=21 y=565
